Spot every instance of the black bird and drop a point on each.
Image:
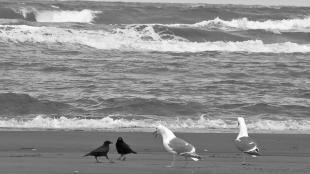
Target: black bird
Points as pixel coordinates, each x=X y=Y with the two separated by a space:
x=101 y=151
x=123 y=148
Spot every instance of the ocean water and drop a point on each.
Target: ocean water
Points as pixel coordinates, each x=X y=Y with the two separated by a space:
x=72 y=65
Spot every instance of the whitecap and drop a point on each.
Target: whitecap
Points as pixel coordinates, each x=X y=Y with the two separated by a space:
x=131 y=39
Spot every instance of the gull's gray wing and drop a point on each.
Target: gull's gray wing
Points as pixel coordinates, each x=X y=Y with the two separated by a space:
x=180 y=146
x=247 y=145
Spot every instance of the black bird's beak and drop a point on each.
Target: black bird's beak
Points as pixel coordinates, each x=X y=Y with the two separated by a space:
x=155 y=134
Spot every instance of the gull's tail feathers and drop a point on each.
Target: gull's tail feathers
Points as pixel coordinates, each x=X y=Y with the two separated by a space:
x=253 y=153
x=191 y=155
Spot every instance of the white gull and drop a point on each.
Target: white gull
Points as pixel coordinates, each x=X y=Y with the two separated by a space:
x=175 y=145
x=244 y=143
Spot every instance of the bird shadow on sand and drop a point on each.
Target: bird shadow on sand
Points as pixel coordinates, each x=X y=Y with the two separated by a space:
x=103 y=162
x=25 y=155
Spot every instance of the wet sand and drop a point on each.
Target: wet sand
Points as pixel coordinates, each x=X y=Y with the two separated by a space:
x=60 y=152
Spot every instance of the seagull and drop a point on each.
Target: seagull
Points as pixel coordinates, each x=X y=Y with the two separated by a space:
x=244 y=143
x=101 y=151
x=176 y=145
x=123 y=148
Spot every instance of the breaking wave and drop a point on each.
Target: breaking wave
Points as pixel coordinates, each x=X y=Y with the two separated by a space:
x=55 y=16
x=137 y=38
x=84 y=16
x=201 y=124
x=302 y=25
x=141 y=13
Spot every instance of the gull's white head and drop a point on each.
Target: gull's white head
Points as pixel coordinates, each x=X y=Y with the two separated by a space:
x=243 y=131
x=166 y=133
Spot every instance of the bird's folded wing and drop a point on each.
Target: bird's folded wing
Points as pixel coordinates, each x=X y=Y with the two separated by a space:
x=180 y=146
x=124 y=146
x=246 y=144
x=100 y=149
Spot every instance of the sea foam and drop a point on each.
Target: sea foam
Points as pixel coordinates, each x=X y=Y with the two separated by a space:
x=54 y=16
x=200 y=124
x=302 y=24
x=132 y=39
x=84 y=16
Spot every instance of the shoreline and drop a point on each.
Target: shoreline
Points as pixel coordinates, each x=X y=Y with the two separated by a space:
x=35 y=151
x=147 y=130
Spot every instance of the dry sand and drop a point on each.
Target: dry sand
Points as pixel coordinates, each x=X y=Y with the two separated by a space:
x=59 y=152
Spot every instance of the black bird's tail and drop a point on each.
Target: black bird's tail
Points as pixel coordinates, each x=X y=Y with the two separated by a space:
x=86 y=154
x=133 y=152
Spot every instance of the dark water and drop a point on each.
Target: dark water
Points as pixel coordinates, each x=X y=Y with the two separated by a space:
x=96 y=65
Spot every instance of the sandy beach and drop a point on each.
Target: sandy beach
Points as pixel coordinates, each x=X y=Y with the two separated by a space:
x=39 y=152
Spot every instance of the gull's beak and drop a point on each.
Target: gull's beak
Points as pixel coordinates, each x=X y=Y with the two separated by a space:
x=155 y=134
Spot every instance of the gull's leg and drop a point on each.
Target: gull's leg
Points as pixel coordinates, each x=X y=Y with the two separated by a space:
x=186 y=162
x=172 y=162
x=124 y=158
x=243 y=159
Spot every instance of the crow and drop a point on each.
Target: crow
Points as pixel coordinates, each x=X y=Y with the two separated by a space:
x=123 y=148
x=101 y=151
